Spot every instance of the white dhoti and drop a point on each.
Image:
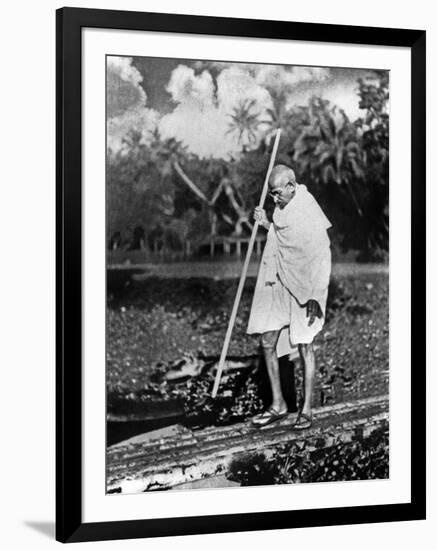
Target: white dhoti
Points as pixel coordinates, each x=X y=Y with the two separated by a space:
x=295 y=268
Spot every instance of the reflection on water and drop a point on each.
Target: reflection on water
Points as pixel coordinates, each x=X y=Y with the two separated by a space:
x=120 y=431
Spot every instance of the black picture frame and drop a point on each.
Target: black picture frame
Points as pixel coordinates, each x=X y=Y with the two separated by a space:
x=69 y=524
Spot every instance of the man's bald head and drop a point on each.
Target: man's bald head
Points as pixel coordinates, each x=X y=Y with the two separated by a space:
x=281 y=175
x=282 y=184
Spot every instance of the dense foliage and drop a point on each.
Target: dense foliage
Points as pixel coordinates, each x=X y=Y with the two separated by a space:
x=173 y=195
x=363 y=458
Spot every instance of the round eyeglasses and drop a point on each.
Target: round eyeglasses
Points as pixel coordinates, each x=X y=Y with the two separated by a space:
x=279 y=192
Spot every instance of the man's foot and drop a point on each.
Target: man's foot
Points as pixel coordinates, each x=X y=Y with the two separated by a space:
x=268 y=416
x=303 y=421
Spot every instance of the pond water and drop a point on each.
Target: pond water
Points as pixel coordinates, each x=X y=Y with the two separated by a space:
x=244 y=391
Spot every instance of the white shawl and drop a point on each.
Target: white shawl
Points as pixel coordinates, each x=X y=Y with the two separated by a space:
x=297 y=245
x=298 y=252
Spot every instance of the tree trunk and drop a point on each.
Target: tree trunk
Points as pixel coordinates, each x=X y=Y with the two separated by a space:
x=226 y=185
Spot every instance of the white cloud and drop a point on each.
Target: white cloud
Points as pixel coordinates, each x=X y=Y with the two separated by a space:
x=139 y=119
x=186 y=87
x=235 y=84
x=123 y=66
x=126 y=103
x=289 y=77
x=202 y=116
x=300 y=83
x=124 y=91
x=203 y=132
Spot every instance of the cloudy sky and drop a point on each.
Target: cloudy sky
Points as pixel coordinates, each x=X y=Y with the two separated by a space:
x=192 y=100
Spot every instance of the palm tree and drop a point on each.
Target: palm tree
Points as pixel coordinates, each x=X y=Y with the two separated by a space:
x=328 y=149
x=245 y=122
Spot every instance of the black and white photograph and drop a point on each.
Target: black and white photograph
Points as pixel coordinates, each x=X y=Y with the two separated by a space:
x=247 y=274
x=217 y=278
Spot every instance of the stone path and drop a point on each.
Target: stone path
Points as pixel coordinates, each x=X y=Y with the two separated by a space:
x=167 y=458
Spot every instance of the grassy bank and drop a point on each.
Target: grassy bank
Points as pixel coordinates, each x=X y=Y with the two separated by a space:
x=152 y=324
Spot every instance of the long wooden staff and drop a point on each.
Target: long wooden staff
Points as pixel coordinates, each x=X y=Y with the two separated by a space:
x=244 y=272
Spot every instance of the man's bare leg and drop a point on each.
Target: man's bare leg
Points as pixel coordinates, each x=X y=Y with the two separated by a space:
x=269 y=341
x=306 y=352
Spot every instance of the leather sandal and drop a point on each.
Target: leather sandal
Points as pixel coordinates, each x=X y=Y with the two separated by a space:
x=307 y=421
x=267 y=417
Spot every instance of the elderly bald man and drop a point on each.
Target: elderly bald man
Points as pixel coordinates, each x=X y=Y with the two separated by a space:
x=288 y=307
